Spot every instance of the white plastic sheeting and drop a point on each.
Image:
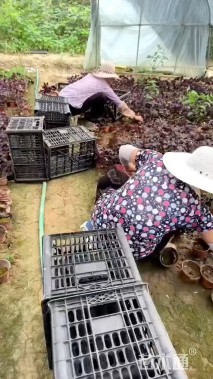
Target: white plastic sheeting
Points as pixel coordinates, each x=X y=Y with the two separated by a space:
x=127 y=31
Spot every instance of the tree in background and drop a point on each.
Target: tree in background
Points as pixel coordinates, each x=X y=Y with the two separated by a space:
x=57 y=26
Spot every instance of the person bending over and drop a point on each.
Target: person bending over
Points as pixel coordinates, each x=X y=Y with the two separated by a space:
x=91 y=93
x=161 y=198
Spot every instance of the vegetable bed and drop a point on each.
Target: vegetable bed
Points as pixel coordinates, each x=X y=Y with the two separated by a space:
x=178 y=115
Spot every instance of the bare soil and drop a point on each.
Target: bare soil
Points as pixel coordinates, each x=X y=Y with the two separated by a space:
x=185 y=309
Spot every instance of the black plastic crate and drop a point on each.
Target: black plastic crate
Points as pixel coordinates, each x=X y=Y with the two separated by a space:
x=112 y=109
x=25 y=141
x=33 y=157
x=69 y=150
x=62 y=164
x=61 y=85
x=78 y=262
x=27 y=148
x=56 y=99
x=25 y=132
x=30 y=173
x=56 y=114
x=84 y=261
x=113 y=334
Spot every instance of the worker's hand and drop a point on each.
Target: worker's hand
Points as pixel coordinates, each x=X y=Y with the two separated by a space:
x=138 y=118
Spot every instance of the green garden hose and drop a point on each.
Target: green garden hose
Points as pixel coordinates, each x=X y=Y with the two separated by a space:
x=41 y=222
x=43 y=195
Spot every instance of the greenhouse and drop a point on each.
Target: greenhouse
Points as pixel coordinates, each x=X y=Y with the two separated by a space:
x=164 y=35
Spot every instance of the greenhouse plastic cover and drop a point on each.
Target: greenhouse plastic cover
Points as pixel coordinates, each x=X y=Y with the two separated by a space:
x=127 y=31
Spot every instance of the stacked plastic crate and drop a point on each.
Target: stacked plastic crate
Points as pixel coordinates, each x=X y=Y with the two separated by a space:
x=40 y=155
x=26 y=148
x=99 y=319
x=55 y=109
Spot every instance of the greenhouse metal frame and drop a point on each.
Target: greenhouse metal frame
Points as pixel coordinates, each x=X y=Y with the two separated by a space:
x=165 y=35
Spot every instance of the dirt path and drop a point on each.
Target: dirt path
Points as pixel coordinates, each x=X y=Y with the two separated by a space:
x=68 y=204
x=22 y=349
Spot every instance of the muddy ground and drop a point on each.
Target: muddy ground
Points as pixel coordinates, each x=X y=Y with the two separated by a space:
x=185 y=309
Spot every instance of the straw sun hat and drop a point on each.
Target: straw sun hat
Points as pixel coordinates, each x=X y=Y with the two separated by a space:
x=195 y=169
x=106 y=71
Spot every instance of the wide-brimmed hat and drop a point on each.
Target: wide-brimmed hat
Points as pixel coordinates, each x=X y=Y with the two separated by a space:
x=106 y=71
x=195 y=169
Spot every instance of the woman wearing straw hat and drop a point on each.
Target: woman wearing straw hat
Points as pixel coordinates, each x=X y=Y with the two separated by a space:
x=91 y=93
x=161 y=198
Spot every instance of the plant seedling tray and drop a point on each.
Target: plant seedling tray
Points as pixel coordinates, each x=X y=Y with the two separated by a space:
x=111 y=334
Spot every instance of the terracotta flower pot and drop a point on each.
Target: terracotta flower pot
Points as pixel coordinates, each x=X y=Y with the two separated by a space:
x=3 y=234
x=207 y=276
x=3 y=181
x=4 y=270
x=2 y=107
x=4 y=207
x=4 y=191
x=168 y=256
x=190 y=271
x=11 y=104
x=200 y=249
x=6 y=220
x=5 y=200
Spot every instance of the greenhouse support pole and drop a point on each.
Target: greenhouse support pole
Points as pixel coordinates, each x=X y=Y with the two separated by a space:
x=139 y=36
x=36 y=84
x=41 y=222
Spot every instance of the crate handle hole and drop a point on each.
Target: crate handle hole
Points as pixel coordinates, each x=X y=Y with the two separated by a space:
x=93 y=279
x=104 y=309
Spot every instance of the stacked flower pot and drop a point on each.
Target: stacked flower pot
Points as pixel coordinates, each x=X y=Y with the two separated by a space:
x=99 y=318
x=5 y=225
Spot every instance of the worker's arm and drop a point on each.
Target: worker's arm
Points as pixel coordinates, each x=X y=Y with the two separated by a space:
x=207 y=236
x=205 y=226
x=127 y=112
x=122 y=106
